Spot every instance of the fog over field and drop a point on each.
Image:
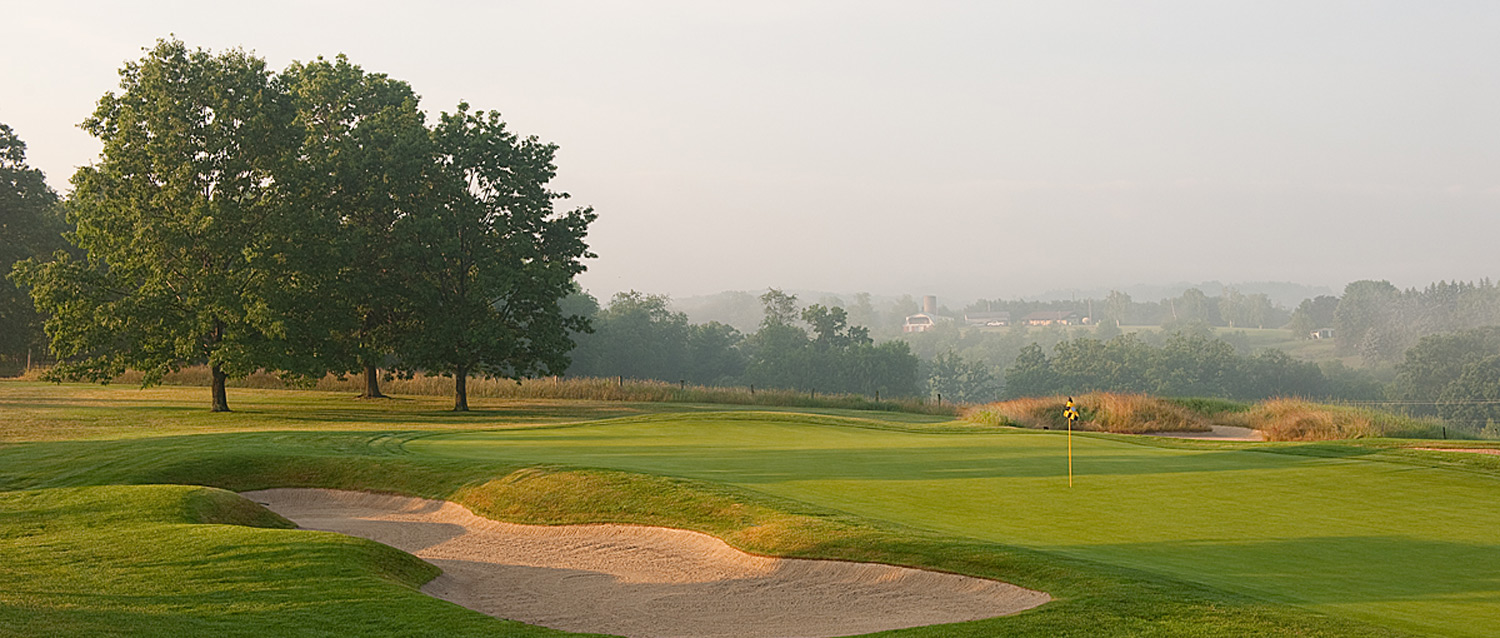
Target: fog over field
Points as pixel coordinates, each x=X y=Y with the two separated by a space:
x=964 y=149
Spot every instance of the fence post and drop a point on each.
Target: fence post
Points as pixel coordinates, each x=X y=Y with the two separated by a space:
x=877 y=396
x=940 y=398
x=682 y=384
x=752 y=389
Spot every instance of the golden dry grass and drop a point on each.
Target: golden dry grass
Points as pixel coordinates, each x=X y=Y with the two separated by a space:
x=1279 y=419
x=1101 y=411
x=1298 y=420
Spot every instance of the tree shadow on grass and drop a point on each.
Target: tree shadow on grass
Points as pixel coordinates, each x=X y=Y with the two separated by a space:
x=1326 y=569
x=1322 y=450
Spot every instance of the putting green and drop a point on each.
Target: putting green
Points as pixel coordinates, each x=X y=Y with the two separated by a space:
x=1414 y=548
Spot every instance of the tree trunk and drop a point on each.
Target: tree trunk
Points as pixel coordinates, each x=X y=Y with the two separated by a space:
x=221 y=399
x=461 y=390
x=372 y=383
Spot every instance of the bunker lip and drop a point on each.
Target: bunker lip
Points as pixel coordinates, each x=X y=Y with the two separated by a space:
x=644 y=582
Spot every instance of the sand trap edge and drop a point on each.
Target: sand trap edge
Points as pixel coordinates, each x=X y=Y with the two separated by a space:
x=942 y=594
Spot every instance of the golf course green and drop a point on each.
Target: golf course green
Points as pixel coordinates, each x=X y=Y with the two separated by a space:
x=1393 y=544
x=1156 y=537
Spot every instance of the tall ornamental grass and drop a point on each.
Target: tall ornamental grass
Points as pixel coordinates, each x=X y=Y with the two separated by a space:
x=1281 y=419
x=1098 y=411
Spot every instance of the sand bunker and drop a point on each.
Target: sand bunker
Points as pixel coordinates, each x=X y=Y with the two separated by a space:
x=1219 y=433
x=644 y=582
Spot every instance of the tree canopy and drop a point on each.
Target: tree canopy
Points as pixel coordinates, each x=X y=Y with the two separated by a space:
x=494 y=258
x=31 y=225
x=363 y=165
x=185 y=225
x=305 y=223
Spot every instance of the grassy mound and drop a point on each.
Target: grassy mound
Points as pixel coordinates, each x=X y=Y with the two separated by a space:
x=1099 y=411
x=162 y=560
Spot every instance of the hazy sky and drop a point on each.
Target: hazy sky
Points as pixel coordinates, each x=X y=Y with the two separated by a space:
x=965 y=149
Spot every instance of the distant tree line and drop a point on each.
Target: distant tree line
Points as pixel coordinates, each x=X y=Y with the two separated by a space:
x=812 y=349
x=305 y=222
x=973 y=364
x=1187 y=363
x=1231 y=309
x=1455 y=376
x=744 y=311
x=1380 y=322
x=1372 y=319
x=31 y=224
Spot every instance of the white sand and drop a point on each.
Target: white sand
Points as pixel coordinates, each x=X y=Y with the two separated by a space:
x=1219 y=433
x=644 y=582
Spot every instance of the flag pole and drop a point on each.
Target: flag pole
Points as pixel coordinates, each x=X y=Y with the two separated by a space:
x=1071 y=412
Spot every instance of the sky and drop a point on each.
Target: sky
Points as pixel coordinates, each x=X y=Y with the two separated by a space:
x=965 y=149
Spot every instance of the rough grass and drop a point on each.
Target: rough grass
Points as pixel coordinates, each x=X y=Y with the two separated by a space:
x=1098 y=411
x=1299 y=420
x=569 y=388
x=38 y=411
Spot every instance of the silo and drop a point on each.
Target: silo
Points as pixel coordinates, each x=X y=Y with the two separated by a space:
x=929 y=304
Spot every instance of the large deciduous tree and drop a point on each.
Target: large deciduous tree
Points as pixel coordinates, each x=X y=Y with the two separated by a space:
x=495 y=258
x=1117 y=307
x=1364 y=316
x=30 y=226
x=363 y=164
x=192 y=250
x=951 y=376
x=838 y=358
x=1430 y=370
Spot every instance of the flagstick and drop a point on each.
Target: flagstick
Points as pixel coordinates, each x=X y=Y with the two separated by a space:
x=1070 y=452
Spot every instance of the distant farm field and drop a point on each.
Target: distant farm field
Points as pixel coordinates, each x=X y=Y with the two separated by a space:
x=1156 y=537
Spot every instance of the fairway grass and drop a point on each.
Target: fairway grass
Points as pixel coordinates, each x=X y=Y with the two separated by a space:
x=1164 y=538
